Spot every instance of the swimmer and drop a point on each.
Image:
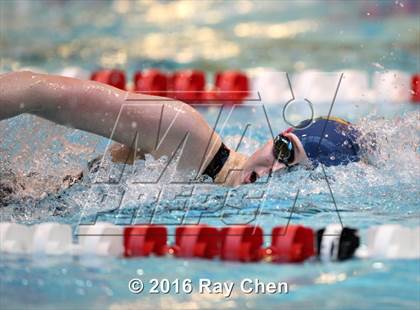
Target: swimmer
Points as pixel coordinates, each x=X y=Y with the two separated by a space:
x=158 y=126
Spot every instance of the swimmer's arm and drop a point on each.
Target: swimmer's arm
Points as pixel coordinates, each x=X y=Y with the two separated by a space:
x=150 y=124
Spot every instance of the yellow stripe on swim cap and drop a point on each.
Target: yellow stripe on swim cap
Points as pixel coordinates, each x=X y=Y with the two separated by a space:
x=336 y=119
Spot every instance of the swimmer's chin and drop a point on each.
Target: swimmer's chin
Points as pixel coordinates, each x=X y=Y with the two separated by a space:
x=233 y=180
x=232 y=173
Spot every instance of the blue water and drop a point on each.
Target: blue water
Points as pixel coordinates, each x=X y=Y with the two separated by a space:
x=329 y=36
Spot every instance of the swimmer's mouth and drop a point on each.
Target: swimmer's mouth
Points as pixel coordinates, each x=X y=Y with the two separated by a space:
x=252 y=177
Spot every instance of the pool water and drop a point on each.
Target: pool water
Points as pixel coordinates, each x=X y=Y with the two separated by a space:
x=36 y=155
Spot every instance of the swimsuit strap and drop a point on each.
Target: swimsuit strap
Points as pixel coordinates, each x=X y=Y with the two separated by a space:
x=217 y=162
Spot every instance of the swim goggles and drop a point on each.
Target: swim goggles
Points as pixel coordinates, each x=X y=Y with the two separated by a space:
x=283 y=150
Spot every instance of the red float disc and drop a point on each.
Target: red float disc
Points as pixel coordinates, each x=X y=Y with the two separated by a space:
x=152 y=82
x=113 y=77
x=232 y=86
x=143 y=240
x=188 y=85
x=293 y=243
x=415 y=88
x=241 y=243
x=197 y=241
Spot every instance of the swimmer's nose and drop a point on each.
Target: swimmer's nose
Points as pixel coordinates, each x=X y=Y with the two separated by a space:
x=277 y=166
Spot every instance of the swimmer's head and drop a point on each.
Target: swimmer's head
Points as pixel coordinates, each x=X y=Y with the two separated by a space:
x=272 y=156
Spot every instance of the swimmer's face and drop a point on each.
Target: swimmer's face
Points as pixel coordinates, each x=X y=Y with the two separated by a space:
x=263 y=162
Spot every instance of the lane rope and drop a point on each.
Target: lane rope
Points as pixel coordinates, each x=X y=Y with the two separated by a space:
x=242 y=243
x=264 y=85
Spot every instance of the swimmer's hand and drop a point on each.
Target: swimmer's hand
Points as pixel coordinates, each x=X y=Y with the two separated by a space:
x=121 y=153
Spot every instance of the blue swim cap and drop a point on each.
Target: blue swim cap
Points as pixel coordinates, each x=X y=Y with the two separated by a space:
x=331 y=142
